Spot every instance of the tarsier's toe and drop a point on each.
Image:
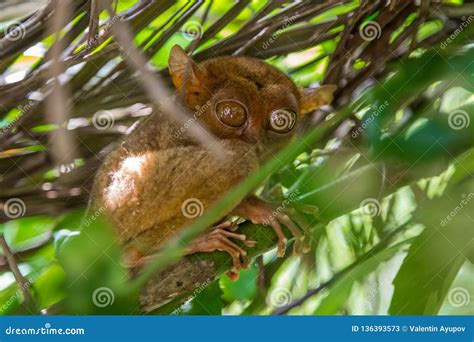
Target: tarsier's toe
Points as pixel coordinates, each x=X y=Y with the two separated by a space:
x=306 y=244
x=234 y=276
x=297 y=248
x=250 y=243
x=281 y=247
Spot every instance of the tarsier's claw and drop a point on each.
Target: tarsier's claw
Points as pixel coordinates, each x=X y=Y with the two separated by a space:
x=297 y=248
x=250 y=243
x=306 y=245
x=281 y=247
x=234 y=276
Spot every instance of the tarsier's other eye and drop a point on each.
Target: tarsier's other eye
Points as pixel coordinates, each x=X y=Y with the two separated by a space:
x=231 y=113
x=282 y=120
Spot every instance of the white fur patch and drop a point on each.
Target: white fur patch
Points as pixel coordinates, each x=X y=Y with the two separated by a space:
x=124 y=181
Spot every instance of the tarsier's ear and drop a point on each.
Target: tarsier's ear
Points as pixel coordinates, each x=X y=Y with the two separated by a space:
x=314 y=98
x=184 y=72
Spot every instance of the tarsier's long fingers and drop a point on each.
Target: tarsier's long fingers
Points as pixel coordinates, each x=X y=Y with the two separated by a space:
x=241 y=237
x=282 y=240
x=224 y=227
x=305 y=226
x=210 y=243
x=283 y=218
x=260 y=212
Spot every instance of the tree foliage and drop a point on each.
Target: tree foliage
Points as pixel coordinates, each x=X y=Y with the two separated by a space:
x=382 y=179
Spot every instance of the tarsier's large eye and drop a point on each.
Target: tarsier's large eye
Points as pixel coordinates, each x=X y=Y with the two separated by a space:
x=231 y=113
x=282 y=120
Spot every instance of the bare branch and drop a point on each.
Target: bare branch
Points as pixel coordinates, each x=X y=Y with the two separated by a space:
x=158 y=91
x=22 y=282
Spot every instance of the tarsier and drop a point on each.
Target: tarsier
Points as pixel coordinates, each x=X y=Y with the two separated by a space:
x=145 y=183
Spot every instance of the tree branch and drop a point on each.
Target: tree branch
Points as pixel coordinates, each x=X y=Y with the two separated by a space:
x=23 y=284
x=194 y=270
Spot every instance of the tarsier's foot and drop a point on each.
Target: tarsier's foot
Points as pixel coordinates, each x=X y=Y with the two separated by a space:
x=260 y=212
x=219 y=238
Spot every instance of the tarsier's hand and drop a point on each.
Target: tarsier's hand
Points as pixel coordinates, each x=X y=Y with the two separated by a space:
x=258 y=211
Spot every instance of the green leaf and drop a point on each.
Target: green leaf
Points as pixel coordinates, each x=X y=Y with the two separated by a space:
x=207 y=301
x=245 y=288
x=434 y=259
x=96 y=282
x=339 y=290
x=49 y=286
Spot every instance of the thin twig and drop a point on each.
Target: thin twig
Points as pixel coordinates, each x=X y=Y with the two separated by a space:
x=374 y=250
x=158 y=91
x=22 y=282
x=21 y=253
x=62 y=141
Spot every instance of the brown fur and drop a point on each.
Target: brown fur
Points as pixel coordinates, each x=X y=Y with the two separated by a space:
x=143 y=184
